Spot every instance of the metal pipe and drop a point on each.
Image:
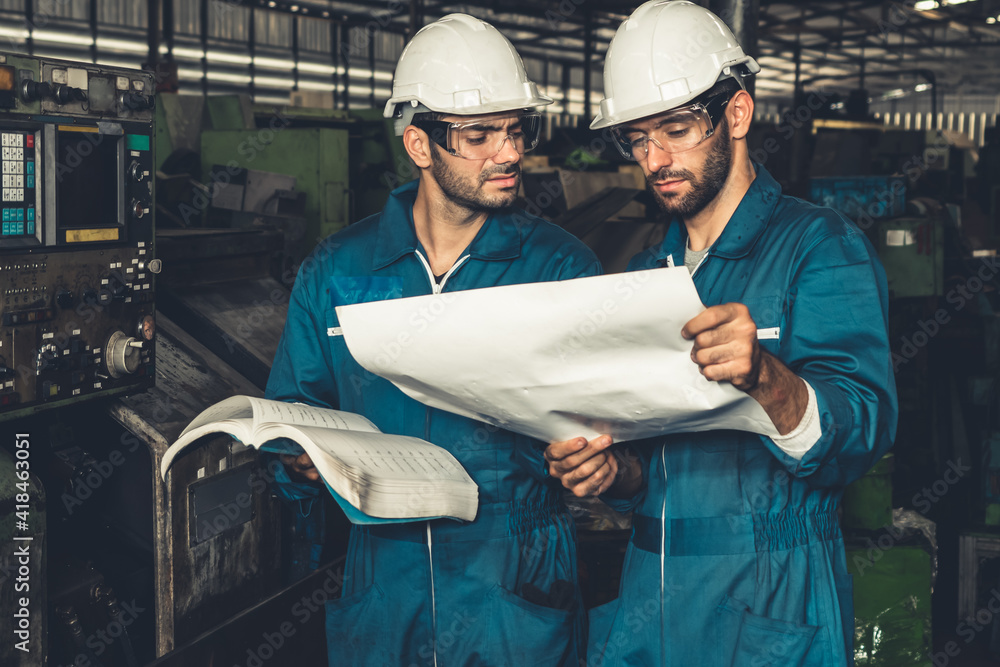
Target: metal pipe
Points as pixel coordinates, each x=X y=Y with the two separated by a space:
x=168 y=28
x=588 y=57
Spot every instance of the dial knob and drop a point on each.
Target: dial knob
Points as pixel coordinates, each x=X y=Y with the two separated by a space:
x=136 y=173
x=122 y=354
x=64 y=298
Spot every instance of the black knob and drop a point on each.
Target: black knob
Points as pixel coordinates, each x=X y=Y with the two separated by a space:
x=90 y=296
x=117 y=288
x=64 y=299
x=32 y=90
x=64 y=94
x=136 y=173
x=135 y=101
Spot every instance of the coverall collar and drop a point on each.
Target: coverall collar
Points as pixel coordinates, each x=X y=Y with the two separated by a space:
x=499 y=238
x=743 y=229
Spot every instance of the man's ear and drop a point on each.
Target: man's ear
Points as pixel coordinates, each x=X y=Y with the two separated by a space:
x=739 y=113
x=417 y=146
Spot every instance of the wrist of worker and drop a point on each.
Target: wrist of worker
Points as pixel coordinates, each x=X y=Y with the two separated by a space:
x=628 y=479
x=781 y=393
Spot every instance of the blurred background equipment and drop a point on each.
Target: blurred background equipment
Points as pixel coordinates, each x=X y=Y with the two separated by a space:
x=251 y=131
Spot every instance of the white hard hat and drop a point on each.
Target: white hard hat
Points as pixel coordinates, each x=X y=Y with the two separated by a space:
x=460 y=65
x=664 y=55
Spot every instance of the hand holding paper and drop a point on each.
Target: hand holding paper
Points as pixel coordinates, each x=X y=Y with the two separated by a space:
x=555 y=360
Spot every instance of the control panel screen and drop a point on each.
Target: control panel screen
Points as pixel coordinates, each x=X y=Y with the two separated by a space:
x=87 y=178
x=19 y=173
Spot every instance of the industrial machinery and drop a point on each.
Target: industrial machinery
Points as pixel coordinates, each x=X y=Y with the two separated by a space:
x=76 y=251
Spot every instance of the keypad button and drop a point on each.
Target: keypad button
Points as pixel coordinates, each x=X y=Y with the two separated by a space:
x=31 y=181
x=31 y=215
x=31 y=167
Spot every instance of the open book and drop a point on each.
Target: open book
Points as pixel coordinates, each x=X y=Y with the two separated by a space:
x=376 y=477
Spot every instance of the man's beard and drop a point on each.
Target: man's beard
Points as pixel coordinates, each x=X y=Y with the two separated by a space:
x=703 y=191
x=471 y=195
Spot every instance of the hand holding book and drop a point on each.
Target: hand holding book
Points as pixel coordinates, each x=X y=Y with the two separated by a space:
x=381 y=477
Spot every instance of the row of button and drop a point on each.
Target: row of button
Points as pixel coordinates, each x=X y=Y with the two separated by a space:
x=12 y=139
x=18 y=167
x=24 y=267
x=13 y=194
x=18 y=181
x=18 y=215
x=16 y=228
x=12 y=153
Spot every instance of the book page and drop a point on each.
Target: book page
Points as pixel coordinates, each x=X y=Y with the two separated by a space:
x=240 y=429
x=234 y=407
x=262 y=410
x=379 y=455
x=307 y=415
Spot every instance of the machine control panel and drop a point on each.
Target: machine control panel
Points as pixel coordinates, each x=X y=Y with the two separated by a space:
x=77 y=311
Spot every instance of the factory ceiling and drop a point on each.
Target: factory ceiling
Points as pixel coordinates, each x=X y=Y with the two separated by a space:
x=893 y=49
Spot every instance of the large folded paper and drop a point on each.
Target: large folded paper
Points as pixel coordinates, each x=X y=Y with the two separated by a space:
x=554 y=360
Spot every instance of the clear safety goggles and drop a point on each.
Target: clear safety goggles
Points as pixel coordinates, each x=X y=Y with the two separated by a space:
x=483 y=138
x=674 y=131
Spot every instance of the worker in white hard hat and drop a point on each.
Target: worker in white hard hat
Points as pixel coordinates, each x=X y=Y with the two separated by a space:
x=500 y=590
x=736 y=556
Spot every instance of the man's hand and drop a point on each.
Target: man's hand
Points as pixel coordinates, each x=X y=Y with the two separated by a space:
x=585 y=468
x=300 y=468
x=725 y=345
x=726 y=349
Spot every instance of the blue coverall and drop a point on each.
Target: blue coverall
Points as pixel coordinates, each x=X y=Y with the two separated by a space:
x=736 y=556
x=502 y=589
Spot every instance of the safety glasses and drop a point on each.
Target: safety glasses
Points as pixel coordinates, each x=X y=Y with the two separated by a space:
x=674 y=131
x=483 y=138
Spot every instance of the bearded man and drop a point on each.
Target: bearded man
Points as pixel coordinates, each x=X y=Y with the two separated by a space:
x=500 y=590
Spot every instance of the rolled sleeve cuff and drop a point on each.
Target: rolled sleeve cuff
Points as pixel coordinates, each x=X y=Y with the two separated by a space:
x=806 y=434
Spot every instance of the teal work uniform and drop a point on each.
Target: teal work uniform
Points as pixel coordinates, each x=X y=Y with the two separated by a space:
x=736 y=556
x=500 y=590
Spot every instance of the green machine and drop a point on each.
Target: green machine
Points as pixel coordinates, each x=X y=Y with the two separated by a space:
x=912 y=252
x=345 y=163
x=314 y=156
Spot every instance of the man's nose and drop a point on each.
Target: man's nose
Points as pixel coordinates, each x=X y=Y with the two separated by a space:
x=507 y=153
x=657 y=158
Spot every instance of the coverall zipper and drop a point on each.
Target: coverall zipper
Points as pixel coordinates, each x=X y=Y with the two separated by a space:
x=436 y=288
x=663 y=519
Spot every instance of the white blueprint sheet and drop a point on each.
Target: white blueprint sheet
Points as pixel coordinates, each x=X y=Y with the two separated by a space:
x=554 y=360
